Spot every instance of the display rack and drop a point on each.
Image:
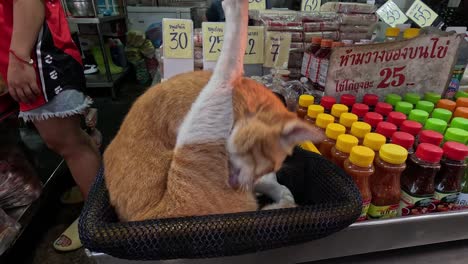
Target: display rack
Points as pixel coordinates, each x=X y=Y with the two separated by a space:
x=109 y=80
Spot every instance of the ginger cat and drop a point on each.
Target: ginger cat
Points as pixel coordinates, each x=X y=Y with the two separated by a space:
x=197 y=143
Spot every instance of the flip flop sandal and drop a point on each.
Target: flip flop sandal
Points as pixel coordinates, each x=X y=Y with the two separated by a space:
x=69 y=240
x=72 y=196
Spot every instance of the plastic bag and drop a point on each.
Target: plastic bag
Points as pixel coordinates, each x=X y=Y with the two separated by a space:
x=321 y=26
x=317 y=16
x=8 y=230
x=358 y=19
x=279 y=25
x=348 y=8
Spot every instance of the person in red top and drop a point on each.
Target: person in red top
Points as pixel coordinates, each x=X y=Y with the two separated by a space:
x=43 y=72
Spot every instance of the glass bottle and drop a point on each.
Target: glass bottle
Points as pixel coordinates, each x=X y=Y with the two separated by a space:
x=360 y=130
x=411 y=127
x=347 y=120
x=373 y=119
x=332 y=132
x=426 y=106
x=392 y=99
x=456 y=135
x=386 y=129
x=304 y=101
x=435 y=124
x=429 y=137
x=320 y=57
x=419 y=116
x=312 y=112
x=323 y=120
x=417 y=181
x=348 y=99
x=449 y=179
x=385 y=182
x=462 y=102
x=359 y=166
x=340 y=152
x=403 y=107
x=461 y=112
x=360 y=110
x=459 y=122
x=396 y=118
x=337 y=110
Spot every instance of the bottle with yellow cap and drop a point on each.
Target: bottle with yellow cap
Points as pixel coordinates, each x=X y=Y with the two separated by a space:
x=410 y=33
x=312 y=112
x=332 y=132
x=304 y=101
x=391 y=34
x=347 y=120
x=323 y=120
x=337 y=110
x=374 y=141
x=385 y=183
x=360 y=130
x=340 y=152
x=359 y=166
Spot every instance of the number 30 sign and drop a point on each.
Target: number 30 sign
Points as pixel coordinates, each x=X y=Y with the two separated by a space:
x=177 y=38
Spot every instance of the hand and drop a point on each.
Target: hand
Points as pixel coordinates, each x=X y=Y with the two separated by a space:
x=22 y=84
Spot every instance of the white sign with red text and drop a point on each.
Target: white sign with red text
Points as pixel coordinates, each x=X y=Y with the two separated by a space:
x=419 y=65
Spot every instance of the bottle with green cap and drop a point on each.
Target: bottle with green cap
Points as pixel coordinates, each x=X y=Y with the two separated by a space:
x=425 y=106
x=419 y=116
x=432 y=97
x=461 y=94
x=360 y=167
x=456 y=135
x=385 y=183
x=403 y=107
x=442 y=114
x=392 y=99
x=412 y=98
x=435 y=124
x=460 y=122
x=304 y=101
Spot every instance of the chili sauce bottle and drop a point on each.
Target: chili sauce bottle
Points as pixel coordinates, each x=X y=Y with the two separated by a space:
x=340 y=152
x=426 y=106
x=435 y=124
x=404 y=140
x=442 y=114
x=459 y=122
x=312 y=112
x=417 y=181
x=348 y=99
x=412 y=98
x=309 y=54
x=347 y=120
x=337 y=110
x=323 y=120
x=456 y=135
x=360 y=130
x=370 y=100
x=419 y=116
x=446 y=104
x=392 y=99
x=359 y=166
x=449 y=179
x=386 y=129
x=462 y=102
x=384 y=109
x=318 y=59
x=385 y=182
x=432 y=97
x=462 y=200
x=304 y=101
x=327 y=102
x=403 y=107
x=360 y=110
x=331 y=132
x=411 y=127
x=461 y=112
x=429 y=137
x=324 y=60
x=396 y=118
x=374 y=141
x=373 y=119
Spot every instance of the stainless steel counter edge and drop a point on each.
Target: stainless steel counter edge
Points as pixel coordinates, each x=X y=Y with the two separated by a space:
x=359 y=238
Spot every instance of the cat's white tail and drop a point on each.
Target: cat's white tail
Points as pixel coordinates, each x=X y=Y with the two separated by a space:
x=211 y=117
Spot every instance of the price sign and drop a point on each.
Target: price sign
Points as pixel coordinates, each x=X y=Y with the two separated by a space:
x=178 y=38
x=213 y=34
x=277 y=46
x=257 y=4
x=255 y=46
x=421 y=14
x=311 y=5
x=421 y=64
x=391 y=14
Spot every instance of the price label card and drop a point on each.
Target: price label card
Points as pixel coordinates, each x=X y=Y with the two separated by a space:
x=311 y=5
x=178 y=38
x=255 y=46
x=391 y=14
x=213 y=35
x=257 y=4
x=277 y=46
x=421 y=14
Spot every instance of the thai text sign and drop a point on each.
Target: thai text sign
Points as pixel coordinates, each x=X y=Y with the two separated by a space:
x=418 y=65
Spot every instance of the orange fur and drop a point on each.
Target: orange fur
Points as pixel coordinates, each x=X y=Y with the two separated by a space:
x=147 y=178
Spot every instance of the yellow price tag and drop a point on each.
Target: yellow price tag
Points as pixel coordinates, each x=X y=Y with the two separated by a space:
x=255 y=46
x=421 y=14
x=178 y=38
x=311 y=5
x=213 y=35
x=257 y=4
x=277 y=46
x=391 y=14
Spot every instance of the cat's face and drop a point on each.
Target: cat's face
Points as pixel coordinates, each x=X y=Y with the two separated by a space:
x=258 y=146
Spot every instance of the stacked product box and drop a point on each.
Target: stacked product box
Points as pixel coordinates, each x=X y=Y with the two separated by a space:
x=198 y=49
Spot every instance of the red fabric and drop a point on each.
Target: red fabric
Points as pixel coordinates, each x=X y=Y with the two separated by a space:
x=57 y=23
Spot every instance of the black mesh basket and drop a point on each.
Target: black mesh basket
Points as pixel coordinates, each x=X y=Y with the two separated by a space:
x=328 y=198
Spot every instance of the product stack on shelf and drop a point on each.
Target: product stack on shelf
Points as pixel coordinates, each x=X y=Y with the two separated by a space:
x=198 y=49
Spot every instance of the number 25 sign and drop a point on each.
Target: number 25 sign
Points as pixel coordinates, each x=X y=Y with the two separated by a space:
x=422 y=64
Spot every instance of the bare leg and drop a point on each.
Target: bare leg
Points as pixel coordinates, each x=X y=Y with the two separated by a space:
x=65 y=137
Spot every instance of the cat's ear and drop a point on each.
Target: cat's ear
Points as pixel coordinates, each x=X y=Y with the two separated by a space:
x=297 y=131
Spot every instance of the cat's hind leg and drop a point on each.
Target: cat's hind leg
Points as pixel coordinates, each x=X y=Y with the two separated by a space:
x=268 y=185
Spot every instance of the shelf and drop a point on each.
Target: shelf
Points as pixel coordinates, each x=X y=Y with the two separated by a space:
x=100 y=80
x=94 y=20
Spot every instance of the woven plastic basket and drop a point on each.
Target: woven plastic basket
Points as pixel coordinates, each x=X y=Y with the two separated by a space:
x=329 y=201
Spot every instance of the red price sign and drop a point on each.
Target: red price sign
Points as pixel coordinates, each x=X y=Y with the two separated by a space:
x=421 y=64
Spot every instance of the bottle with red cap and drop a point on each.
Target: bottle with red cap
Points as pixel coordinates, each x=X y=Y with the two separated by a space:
x=373 y=119
x=360 y=110
x=411 y=127
x=327 y=102
x=309 y=54
x=370 y=100
x=403 y=139
x=449 y=179
x=348 y=99
x=320 y=58
x=386 y=129
x=396 y=118
x=417 y=181
x=429 y=137
x=383 y=108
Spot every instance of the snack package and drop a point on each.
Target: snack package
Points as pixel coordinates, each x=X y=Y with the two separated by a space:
x=348 y=8
x=321 y=26
x=198 y=53
x=358 y=19
x=197 y=37
x=334 y=35
x=355 y=28
x=279 y=25
x=317 y=16
x=8 y=230
x=277 y=15
x=354 y=36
